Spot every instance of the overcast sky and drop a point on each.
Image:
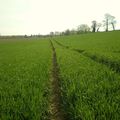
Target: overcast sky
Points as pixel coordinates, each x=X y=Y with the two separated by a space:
x=43 y=16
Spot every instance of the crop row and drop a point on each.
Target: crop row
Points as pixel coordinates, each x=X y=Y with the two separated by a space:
x=89 y=90
x=112 y=63
x=97 y=42
x=24 y=80
x=104 y=58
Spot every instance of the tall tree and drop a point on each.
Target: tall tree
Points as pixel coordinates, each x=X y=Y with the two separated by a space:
x=67 y=32
x=94 y=25
x=98 y=26
x=83 y=28
x=109 y=19
x=51 y=33
x=113 y=22
x=106 y=21
x=73 y=31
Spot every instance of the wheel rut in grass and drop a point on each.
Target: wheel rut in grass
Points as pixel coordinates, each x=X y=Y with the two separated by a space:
x=55 y=104
x=110 y=64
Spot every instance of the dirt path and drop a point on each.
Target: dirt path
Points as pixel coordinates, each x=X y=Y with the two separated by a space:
x=55 y=107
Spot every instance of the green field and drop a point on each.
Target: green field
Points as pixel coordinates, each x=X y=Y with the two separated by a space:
x=24 y=75
x=88 y=68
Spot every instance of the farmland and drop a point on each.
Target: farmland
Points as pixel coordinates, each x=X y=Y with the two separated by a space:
x=78 y=76
x=24 y=75
x=102 y=47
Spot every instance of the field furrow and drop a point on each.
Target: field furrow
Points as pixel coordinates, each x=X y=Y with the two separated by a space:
x=66 y=77
x=113 y=65
x=55 y=107
x=90 y=91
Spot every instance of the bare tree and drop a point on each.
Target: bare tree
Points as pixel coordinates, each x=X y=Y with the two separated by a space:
x=113 y=22
x=109 y=19
x=94 y=25
x=98 y=26
x=106 y=21
x=83 y=28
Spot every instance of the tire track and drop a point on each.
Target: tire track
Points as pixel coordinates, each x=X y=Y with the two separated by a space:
x=55 y=104
x=110 y=64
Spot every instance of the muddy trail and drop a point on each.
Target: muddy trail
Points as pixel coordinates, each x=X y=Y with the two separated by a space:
x=110 y=64
x=55 y=104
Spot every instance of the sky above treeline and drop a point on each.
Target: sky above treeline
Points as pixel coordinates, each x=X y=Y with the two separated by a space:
x=19 y=17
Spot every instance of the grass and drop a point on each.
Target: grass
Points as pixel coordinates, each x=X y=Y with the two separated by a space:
x=103 y=42
x=89 y=78
x=24 y=79
x=101 y=47
x=89 y=90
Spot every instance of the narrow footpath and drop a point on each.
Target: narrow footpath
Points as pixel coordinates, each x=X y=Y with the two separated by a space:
x=55 y=104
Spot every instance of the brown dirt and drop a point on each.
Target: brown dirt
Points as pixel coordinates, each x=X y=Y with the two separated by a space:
x=55 y=106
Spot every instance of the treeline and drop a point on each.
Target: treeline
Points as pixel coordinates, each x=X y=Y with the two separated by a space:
x=109 y=22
